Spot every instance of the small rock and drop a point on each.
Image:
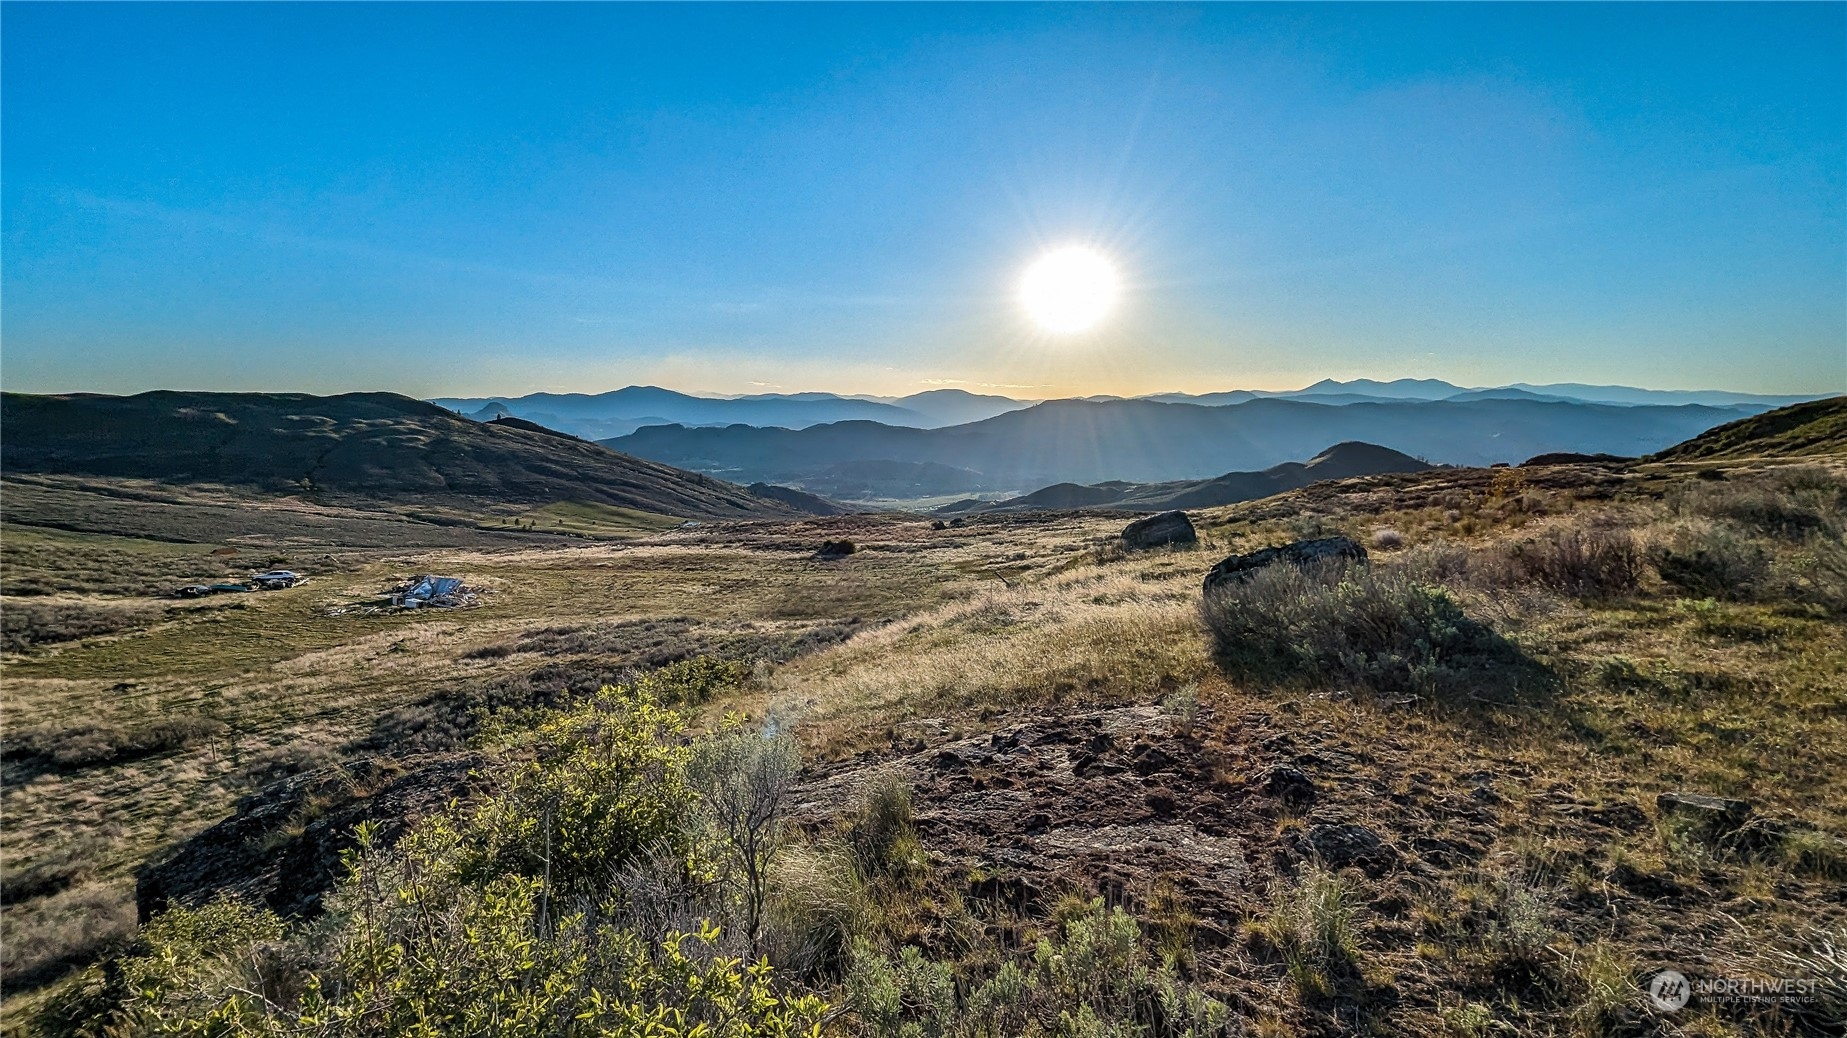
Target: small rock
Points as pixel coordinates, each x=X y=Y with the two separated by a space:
x=1344 y=845
x=1236 y=568
x=1286 y=783
x=1157 y=530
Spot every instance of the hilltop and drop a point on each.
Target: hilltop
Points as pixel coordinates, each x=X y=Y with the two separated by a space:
x=356 y=446
x=1341 y=461
x=1816 y=427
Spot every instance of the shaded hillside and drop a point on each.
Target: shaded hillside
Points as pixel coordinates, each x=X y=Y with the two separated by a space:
x=1341 y=461
x=1817 y=427
x=1071 y=441
x=801 y=501
x=885 y=480
x=357 y=445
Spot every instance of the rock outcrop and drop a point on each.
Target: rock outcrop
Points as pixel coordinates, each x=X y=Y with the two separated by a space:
x=1236 y=568
x=1159 y=530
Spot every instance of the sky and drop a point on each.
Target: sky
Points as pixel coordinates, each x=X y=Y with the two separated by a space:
x=491 y=200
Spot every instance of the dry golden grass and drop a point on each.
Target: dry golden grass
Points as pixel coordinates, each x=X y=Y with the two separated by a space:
x=1655 y=689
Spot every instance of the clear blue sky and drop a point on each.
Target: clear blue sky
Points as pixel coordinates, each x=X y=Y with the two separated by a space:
x=486 y=199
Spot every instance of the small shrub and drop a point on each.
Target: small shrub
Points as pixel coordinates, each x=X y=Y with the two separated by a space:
x=1711 y=561
x=743 y=779
x=1182 y=705
x=99 y=743
x=25 y=625
x=1093 y=978
x=1387 y=539
x=1351 y=624
x=1520 y=931
x=1587 y=562
x=607 y=782
x=1790 y=503
x=44 y=938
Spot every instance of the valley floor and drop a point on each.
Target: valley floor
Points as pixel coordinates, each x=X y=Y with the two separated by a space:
x=1321 y=839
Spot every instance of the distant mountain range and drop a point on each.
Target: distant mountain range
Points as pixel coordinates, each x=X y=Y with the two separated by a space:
x=1341 y=461
x=1146 y=441
x=379 y=447
x=623 y=411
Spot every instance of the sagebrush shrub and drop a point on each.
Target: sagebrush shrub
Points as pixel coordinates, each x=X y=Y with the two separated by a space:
x=1711 y=560
x=1351 y=624
x=1594 y=561
x=1095 y=977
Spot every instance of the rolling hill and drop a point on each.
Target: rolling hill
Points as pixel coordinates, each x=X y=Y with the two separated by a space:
x=374 y=446
x=1816 y=427
x=1341 y=461
x=1143 y=441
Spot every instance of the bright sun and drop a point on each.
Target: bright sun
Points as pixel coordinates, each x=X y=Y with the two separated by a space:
x=1069 y=290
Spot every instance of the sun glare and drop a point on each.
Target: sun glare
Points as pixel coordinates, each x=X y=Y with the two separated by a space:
x=1069 y=290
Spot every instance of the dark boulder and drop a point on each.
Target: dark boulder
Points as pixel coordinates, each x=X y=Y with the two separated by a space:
x=1157 y=530
x=1289 y=784
x=837 y=549
x=1236 y=568
x=1350 y=845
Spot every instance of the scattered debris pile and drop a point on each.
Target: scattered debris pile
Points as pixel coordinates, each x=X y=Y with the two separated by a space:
x=423 y=591
x=433 y=592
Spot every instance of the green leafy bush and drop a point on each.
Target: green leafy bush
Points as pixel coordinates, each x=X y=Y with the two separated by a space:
x=503 y=918
x=607 y=782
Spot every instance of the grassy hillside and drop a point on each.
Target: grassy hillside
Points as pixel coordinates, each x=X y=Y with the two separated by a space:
x=1421 y=799
x=1341 y=461
x=372 y=446
x=1818 y=427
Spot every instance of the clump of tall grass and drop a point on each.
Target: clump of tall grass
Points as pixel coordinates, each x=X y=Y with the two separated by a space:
x=1311 y=926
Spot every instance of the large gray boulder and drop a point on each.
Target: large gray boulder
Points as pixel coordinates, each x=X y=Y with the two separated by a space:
x=1238 y=568
x=1157 y=530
